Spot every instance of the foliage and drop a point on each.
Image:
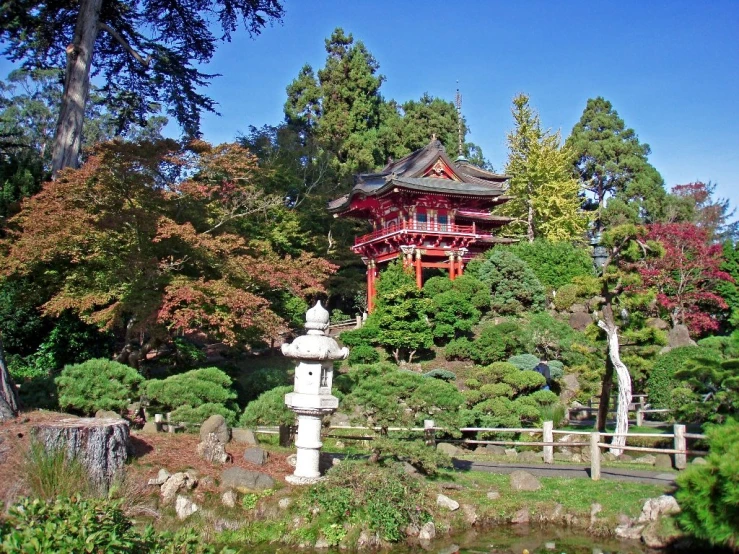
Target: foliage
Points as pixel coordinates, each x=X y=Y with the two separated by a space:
x=524 y=361
x=383 y=499
x=268 y=409
x=708 y=390
x=556 y=369
x=71 y=525
x=453 y=315
x=549 y=338
x=698 y=206
x=555 y=263
x=662 y=379
x=496 y=343
x=566 y=296
x=514 y=287
x=729 y=289
x=97 y=384
x=52 y=474
x=555 y=412
x=459 y=349
x=707 y=494
x=194 y=396
x=400 y=314
x=442 y=374
x=261 y=380
x=545 y=197
x=425 y=459
x=686 y=277
x=726 y=346
x=366 y=334
x=363 y=354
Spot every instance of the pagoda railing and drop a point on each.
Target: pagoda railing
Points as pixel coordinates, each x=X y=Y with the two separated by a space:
x=418 y=226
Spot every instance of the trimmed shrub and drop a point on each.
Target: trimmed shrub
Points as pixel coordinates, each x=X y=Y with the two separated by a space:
x=261 y=380
x=524 y=361
x=436 y=285
x=554 y=263
x=514 y=287
x=97 y=384
x=565 y=297
x=547 y=337
x=355 y=337
x=661 y=380
x=194 y=396
x=452 y=315
x=459 y=349
x=269 y=409
x=363 y=354
x=496 y=343
x=587 y=285
x=707 y=494
x=556 y=370
x=442 y=374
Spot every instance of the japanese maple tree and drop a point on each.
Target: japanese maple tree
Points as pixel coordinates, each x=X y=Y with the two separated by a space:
x=687 y=276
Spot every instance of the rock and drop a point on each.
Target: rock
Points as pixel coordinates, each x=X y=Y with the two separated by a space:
x=222 y=524
x=657 y=323
x=655 y=507
x=321 y=543
x=550 y=546
x=511 y=453
x=244 y=436
x=206 y=481
x=215 y=424
x=161 y=477
x=524 y=481
x=580 y=320
x=493 y=495
x=595 y=302
x=629 y=532
x=173 y=485
x=409 y=469
x=292 y=460
x=150 y=428
x=659 y=536
x=255 y=455
x=229 y=499
x=192 y=474
x=338 y=419
x=595 y=509
x=624 y=457
x=562 y=457
x=579 y=309
x=184 y=507
x=446 y=502
x=530 y=456
x=521 y=517
x=367 y=540
x=663 y=461
x=609 y=457
x=245 y=481
x=679 y=336
x=339 y=445
x=212 y=450
x=412 y=530
x=569 y=387
x=646 y=459
x=448 y=449
x=470 y=514
x=699 y=461
x=494 y=450
x=428 y=532
x=107 y=414
x=284 y=503
x=576 y=459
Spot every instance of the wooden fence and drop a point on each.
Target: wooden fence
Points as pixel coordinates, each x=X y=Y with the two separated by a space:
x=638 y=406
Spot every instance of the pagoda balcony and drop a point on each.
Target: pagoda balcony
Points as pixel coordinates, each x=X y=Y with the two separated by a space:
x=431 y=228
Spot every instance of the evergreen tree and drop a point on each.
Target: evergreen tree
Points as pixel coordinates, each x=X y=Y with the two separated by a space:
x=727 y=289
x=610 y=161
x=545 y=196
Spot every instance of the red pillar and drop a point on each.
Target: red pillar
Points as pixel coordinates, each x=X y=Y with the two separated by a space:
x=370 y=286
x=419 y=270
x=460 y=265
x=452 y=268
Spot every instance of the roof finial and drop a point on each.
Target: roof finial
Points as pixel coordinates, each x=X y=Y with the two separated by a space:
x=458 y=104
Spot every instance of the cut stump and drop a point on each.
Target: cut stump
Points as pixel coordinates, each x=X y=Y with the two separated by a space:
x=100 y=444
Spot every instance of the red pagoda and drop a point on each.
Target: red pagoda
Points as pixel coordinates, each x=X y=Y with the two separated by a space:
x=431 y=211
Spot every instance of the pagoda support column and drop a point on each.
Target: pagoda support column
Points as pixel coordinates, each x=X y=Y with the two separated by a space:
x=407 y=253
x=371 y=285
x=419 y=269
x=452 y=268
x=460 y=261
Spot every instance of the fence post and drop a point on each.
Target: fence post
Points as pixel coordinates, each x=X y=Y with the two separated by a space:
x=594 y=456
x=639 y=416
x=548 y=437
x=429 y=432
x=681 y=459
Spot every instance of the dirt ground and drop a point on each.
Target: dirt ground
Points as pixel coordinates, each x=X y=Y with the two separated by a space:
x=149 y=454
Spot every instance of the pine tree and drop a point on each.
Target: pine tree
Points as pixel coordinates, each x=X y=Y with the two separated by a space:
x=545 y=196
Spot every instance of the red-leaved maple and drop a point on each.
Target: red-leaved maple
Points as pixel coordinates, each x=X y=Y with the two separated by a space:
x=685 y=278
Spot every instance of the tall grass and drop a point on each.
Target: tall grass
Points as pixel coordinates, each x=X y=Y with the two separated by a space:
x=554 y=413
x=50 y=474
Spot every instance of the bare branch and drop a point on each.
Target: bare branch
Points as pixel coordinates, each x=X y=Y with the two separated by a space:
x=116 y=35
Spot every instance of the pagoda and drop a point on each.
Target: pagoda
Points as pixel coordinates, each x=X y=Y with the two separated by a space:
x=427 y=210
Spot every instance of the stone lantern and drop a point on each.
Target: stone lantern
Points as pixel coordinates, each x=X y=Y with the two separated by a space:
x=315 y=353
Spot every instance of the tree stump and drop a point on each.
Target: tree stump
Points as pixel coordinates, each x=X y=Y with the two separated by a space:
x=100 y=444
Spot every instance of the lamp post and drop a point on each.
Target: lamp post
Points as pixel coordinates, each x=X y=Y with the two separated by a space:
x=600 y=254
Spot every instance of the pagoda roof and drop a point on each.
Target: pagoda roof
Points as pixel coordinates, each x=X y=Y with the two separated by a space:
x=455 y=178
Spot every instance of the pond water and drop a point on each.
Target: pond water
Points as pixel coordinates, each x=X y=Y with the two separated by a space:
x=509 y=540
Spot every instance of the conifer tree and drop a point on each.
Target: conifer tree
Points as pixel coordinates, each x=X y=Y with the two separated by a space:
x=545 y=195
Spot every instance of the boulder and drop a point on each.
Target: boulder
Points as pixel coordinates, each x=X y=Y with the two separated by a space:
x=580 y=320
x=284 y=503
x=524 y=481
x=494 y=450
x=530 y=456
x=699 y=461
x=150 y=428
x=657 y=323
x=446 y=502
x=255 y=455
x=663 y=461
x=174 y=484
x=321 y=543
x=212 y=449
x=428 y=532
x=628 y=531
x=656 y=507
x=521 y=517
x=244 y=436
x=679 y=336
x=338 y=419
x=229 y=499
x=184 y=507
x=215 y=424
x=579 y=309
x=511 y=453
x=562 y=457
x=493 y=495
x=470 y=515
x=161 y=477
x=595 y=303
x=107 y=414
x=646 y=459
x=595 y=509
x=448 y=449
x=569 y=387
x=245 y=481
x=609 y=457
x=624 y=457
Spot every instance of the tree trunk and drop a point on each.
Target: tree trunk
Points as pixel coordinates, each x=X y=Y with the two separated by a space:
x=68 y=137
x=530 y=221
x=9 y=403
x=605 y=397
x=623 y=378
x=101 y=445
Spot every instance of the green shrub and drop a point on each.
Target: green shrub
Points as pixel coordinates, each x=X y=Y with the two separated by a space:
x=554 y=263
x=269 y=409
x=566 y=296
x=97 y=385
x=524 y=361
x=459 y=349
x=556 y=369
x=525 y=381
x=49 y=474
x=493 y=390
x=71 y=526
x=587 y=285
x=496 y=343
x=661 y=380
x=357 y=337
x=554 y=412
x=442 y=374
x=363 y=354
x=436 y=285
x=708 y=494
x=425 y=459
x=452 y=315
x=514 y=288
x=549 y=338
x=193 y=396
x=260 y=380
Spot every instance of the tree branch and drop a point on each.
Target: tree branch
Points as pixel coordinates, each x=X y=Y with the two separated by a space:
x=116 y=35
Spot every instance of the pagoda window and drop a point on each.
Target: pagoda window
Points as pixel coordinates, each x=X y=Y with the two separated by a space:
x=421 y=219
x=442 y=221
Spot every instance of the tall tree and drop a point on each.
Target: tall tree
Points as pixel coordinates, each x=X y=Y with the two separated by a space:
x=712 y=214
x=145 y=54
x=545 y=195
x=9 y=402
x=610 y=160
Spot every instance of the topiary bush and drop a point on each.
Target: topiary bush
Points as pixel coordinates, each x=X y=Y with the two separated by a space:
x=524 y=361
x=97 y=384
x=459 y=349
x=363 y=354
x=194 y=396
x=708 y=494
x=452 y=315
x=556 y=369
x=268 y=409
x=661 y=380
x=357 y=337
x=496 y=343
x=566 y=296
x=514 y=287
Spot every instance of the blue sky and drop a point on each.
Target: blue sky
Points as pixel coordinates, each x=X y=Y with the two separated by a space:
x=670 y=68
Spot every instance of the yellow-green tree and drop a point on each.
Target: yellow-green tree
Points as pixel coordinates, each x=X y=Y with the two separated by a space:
x=545 y=200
